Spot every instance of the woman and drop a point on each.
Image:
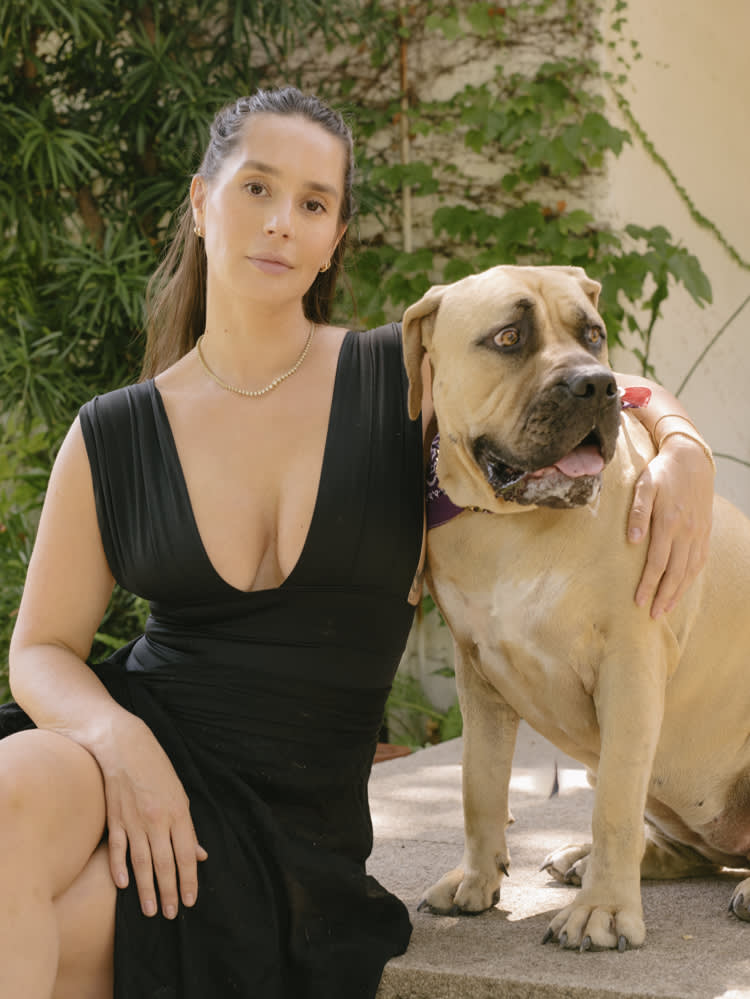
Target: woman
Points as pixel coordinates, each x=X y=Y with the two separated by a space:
x=189 y=819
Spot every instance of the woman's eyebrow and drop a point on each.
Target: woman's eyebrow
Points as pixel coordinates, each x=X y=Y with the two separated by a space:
x=314 y=185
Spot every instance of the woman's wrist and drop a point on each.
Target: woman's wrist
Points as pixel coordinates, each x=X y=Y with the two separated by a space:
x=672 y=426
x=110 y=730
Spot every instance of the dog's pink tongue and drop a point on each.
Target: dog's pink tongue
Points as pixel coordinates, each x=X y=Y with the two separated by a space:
x=585 y=460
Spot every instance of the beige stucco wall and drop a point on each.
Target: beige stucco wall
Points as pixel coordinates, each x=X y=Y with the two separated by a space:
x=689 y=93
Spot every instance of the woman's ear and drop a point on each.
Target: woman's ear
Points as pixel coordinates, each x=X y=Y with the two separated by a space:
x=198 y=199
x=342 y=229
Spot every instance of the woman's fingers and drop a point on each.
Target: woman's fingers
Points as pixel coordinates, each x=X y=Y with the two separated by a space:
x=187 y=852
x=118 y=848
x=674 y=581
x=640 y=526
x=639 y=519
x=163 y=847
x=143 y=863
x=672 y=502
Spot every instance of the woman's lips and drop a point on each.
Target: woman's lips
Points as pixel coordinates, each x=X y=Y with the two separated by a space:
x=270 y=265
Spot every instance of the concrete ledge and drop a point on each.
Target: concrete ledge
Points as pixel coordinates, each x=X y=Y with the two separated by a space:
x=693 y=950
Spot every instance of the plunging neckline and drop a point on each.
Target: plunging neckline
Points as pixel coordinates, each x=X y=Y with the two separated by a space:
x=327 y=448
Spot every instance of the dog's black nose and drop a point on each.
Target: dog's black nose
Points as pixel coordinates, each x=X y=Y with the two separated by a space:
x=598 y=383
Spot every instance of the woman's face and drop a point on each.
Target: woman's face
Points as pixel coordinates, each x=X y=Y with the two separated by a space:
x=271 y=216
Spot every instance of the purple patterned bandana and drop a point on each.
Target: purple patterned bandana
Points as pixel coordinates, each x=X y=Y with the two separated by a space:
x=439 y=508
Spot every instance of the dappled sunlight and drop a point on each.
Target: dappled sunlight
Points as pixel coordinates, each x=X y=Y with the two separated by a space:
x=421 y=796
x=538 y=782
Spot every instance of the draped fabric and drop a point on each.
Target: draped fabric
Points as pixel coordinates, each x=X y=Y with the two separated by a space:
x=268 y=703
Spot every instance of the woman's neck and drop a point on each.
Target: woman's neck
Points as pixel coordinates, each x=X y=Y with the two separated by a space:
x=249 y=345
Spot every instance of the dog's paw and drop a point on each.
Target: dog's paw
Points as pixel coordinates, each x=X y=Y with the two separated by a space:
x=459 y=894
x=586 y=926
x=739 y=904
x=568 y=864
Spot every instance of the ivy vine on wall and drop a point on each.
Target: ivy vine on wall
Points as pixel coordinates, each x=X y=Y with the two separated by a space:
x=547 y=131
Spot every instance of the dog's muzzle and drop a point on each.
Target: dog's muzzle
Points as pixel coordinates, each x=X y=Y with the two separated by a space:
x=574 y=480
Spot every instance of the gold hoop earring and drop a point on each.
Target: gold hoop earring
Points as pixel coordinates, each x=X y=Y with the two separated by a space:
x=325 y=267
x=198 y=231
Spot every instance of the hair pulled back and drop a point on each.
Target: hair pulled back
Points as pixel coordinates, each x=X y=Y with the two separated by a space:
x=176 y=294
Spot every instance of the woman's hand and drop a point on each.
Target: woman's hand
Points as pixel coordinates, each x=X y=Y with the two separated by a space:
x=149 y=812
x=673 y=499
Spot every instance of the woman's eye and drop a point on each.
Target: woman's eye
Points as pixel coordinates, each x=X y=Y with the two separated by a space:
x=509 y=337
x=255 y=187
x=315 y=206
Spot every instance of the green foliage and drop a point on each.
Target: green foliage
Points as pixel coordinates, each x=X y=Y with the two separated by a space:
x=16 y=533
x=413 y=721
x=104 y=109
x=547 y=132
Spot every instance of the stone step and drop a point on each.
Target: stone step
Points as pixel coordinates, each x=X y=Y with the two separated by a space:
x=694 y=949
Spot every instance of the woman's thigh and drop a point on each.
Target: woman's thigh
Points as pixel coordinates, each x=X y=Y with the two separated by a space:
x=52 y=817
x=52 y=810
x=86 y=925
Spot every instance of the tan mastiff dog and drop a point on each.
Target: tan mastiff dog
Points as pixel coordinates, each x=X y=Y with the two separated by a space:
x=536 y=581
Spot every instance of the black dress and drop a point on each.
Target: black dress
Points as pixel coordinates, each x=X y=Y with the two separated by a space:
x=268 y=703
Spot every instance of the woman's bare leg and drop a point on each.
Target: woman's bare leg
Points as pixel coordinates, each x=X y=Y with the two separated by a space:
x=86 y=931
x=52 y=815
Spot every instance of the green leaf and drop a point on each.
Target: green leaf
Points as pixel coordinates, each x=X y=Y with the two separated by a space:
x=686 y=268
x=418 y=260
x=449 y=26
x=452 y=725
x=456 y=268
x=478 y=17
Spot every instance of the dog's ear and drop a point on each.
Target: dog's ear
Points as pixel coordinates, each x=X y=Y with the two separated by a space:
x=417 y=326
x=590 y=287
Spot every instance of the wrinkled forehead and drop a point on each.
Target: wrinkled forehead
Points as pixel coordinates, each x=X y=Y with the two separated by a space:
x=506 y=294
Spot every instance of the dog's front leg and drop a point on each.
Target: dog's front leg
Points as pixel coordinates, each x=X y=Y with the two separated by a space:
x=607 y=912
x=489 y=734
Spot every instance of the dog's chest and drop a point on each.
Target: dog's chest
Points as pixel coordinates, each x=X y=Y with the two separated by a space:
x=544 y=666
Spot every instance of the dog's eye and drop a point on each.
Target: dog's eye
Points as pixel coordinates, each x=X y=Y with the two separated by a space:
x=509 y=337
x=595 y=335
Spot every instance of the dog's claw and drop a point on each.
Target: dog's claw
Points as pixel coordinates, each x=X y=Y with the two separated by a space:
x=586 y=943
x=738 y=907
x=456 y=910
x=549 y=935
x=424 y=906
x=622 y=943
x=563 y=939
x=504 y=869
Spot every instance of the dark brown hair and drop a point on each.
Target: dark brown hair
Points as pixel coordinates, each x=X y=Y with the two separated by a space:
x=176 y=294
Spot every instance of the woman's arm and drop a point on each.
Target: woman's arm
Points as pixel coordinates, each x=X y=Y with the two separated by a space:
x=673 y=499
x=67 y=589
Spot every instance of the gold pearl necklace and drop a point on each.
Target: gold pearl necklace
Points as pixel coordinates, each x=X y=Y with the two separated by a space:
x=271 y=385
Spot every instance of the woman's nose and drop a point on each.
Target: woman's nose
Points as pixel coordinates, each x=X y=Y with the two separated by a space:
x=278 y=220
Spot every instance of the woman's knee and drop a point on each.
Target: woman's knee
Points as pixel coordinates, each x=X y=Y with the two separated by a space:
x=52 y=808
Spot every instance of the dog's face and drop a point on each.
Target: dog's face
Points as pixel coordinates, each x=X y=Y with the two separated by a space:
x=528 y=410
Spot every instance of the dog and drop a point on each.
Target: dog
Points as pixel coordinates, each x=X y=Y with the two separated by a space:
x=536 y=582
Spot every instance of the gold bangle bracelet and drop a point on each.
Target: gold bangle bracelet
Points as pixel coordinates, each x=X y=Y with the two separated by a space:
x=672 y=416
x=697 y=439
